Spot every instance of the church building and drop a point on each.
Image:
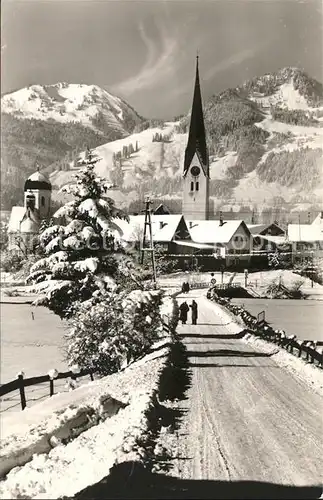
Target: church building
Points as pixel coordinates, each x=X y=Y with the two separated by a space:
x=24 y=222
x=196 y=175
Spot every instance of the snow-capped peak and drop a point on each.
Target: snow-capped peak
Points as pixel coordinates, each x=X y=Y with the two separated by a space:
x=289 y=88
x=68 y=102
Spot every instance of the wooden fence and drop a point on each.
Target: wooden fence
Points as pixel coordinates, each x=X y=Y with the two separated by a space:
x=20 y=383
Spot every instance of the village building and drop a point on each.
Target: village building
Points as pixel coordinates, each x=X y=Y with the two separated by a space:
x=169 y=232
x=162 y=209
x=227 y=239
x=25 y=221
x=306 y=239
x=268 y=238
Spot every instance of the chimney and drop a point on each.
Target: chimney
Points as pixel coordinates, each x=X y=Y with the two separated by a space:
x=221 y=219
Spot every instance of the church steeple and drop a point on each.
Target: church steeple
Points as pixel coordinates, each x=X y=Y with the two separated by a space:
x=196 y=138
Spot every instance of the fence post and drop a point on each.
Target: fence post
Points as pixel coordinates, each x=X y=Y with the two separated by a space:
x=300 y=347
x=52 y=374
x=22 y=390
x=307 y=351
x=51 y=387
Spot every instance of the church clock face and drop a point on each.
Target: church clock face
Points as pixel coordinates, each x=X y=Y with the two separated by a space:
x=195 y=171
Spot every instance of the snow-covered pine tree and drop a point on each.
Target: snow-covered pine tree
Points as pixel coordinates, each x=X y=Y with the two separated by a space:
x=83 y=254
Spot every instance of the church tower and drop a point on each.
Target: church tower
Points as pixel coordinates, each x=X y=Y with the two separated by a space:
x=38 y=194
x=196 y=162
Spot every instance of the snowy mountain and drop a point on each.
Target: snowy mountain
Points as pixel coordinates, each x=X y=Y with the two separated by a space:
x=42 y=125
x=89 y=105
x=265 y=141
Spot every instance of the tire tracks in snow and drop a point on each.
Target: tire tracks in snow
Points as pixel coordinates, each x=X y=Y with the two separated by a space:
x=211 y=423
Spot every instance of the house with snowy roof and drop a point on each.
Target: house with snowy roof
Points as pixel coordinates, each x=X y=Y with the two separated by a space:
x=24 y=221
x=306 y=239
x=168 y=231
x=268 y=237
x=230 y=240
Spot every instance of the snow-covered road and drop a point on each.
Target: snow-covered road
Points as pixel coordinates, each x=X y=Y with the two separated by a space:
x=247 y=417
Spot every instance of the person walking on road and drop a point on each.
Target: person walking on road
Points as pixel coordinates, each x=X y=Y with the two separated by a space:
x=193 y=306
x=183 y=308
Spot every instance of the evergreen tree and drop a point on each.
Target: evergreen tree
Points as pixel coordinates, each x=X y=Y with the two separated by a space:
x=83 y=256
x=117 y=175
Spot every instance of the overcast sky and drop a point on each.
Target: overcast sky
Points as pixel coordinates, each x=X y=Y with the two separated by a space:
x=144 y=51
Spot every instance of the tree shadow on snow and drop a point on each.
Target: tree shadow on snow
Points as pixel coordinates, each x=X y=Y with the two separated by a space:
x=176 y=376
x=222 y=365
x=213 y=336
x=130 y=480
x=229 y=353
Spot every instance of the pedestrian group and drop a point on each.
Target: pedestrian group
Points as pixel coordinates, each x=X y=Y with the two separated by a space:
x=184 y=307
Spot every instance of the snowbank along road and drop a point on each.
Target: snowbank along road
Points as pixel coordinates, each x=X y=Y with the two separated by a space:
x=247 y=418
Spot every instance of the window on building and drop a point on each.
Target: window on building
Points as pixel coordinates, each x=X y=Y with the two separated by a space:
x=42 y=201
x=192 y=186
x=30 y=201
x=197 y=185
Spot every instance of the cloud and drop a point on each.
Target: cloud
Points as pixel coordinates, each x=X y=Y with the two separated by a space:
x=157 y=66
x=234 y=60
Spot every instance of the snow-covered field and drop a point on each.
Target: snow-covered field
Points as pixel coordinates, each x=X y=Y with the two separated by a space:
x=301 y=318
x=33 y=346
x=138 y=164
x=90 y=422
x=286 y=96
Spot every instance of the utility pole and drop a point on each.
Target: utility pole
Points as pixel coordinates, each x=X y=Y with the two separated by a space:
x=299 y=236
x=144 y=248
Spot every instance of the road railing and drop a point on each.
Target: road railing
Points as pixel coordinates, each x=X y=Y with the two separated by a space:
x=309 y=350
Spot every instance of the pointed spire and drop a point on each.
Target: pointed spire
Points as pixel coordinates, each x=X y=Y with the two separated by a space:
x=196 y=138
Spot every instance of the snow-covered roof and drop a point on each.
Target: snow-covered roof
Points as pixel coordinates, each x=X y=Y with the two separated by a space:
x=29 y=225
x=38 y=180
x=256 y=229
x=210 y=231
x=16 y=216
x=163 y=227
x=305 y=232
x=38 y=176
x=318 y=220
